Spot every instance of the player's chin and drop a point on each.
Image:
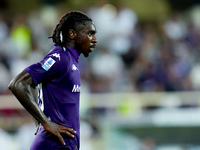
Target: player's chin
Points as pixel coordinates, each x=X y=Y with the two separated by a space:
x=86 y=54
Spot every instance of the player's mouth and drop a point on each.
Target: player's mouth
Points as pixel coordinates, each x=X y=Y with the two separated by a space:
x=92 y=47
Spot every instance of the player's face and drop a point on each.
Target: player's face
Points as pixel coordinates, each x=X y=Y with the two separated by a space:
x=86 y=39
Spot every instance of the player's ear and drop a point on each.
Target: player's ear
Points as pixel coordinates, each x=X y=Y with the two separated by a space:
x=72 y=34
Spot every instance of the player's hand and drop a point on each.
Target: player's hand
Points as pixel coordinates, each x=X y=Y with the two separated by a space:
x=37 y=124
x=57 y=129
x=37 y=128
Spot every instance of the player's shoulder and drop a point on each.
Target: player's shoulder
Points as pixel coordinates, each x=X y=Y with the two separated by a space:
x=59 y=54
x=56 y=58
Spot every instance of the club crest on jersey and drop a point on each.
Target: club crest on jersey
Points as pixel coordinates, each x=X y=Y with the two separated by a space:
x=74 y=67
x=48 y=63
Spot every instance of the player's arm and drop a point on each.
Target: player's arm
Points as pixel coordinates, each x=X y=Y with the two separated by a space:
x=23 y=87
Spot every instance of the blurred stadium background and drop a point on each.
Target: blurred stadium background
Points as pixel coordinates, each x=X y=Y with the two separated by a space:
x=140 y=88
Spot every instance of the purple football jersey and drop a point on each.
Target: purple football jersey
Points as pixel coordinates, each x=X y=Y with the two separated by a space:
x=58 y=80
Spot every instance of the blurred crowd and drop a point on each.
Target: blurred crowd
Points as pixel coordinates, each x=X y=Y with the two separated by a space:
x=131 y=56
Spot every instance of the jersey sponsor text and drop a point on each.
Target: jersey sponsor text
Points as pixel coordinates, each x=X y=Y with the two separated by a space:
x=76 y=88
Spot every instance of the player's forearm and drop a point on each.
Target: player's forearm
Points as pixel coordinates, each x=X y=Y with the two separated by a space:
x=23 y=90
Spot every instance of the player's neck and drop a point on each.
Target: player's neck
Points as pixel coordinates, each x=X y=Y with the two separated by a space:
x=70 y=45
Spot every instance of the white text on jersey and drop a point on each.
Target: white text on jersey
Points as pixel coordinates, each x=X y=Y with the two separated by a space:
x=76 y=88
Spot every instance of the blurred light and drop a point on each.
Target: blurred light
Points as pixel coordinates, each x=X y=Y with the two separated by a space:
x=109 y=11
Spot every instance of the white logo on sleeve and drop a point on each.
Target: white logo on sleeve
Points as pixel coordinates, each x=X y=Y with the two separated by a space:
x=48 y=63
x=76 y=88
x=56 y=55
x=74 y=67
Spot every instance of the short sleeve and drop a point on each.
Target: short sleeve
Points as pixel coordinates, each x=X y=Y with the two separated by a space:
x=46 y=69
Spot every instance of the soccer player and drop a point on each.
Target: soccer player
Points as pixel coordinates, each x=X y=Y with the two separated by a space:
x=49 y=90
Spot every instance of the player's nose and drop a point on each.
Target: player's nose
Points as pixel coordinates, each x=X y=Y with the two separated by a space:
x=94 y=39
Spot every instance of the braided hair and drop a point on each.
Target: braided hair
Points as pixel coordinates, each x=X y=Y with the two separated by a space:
x=71 y=20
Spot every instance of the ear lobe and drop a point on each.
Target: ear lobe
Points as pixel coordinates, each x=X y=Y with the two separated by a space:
x=72 y=34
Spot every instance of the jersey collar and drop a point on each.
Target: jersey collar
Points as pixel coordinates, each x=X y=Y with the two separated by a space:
x=74 y=52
